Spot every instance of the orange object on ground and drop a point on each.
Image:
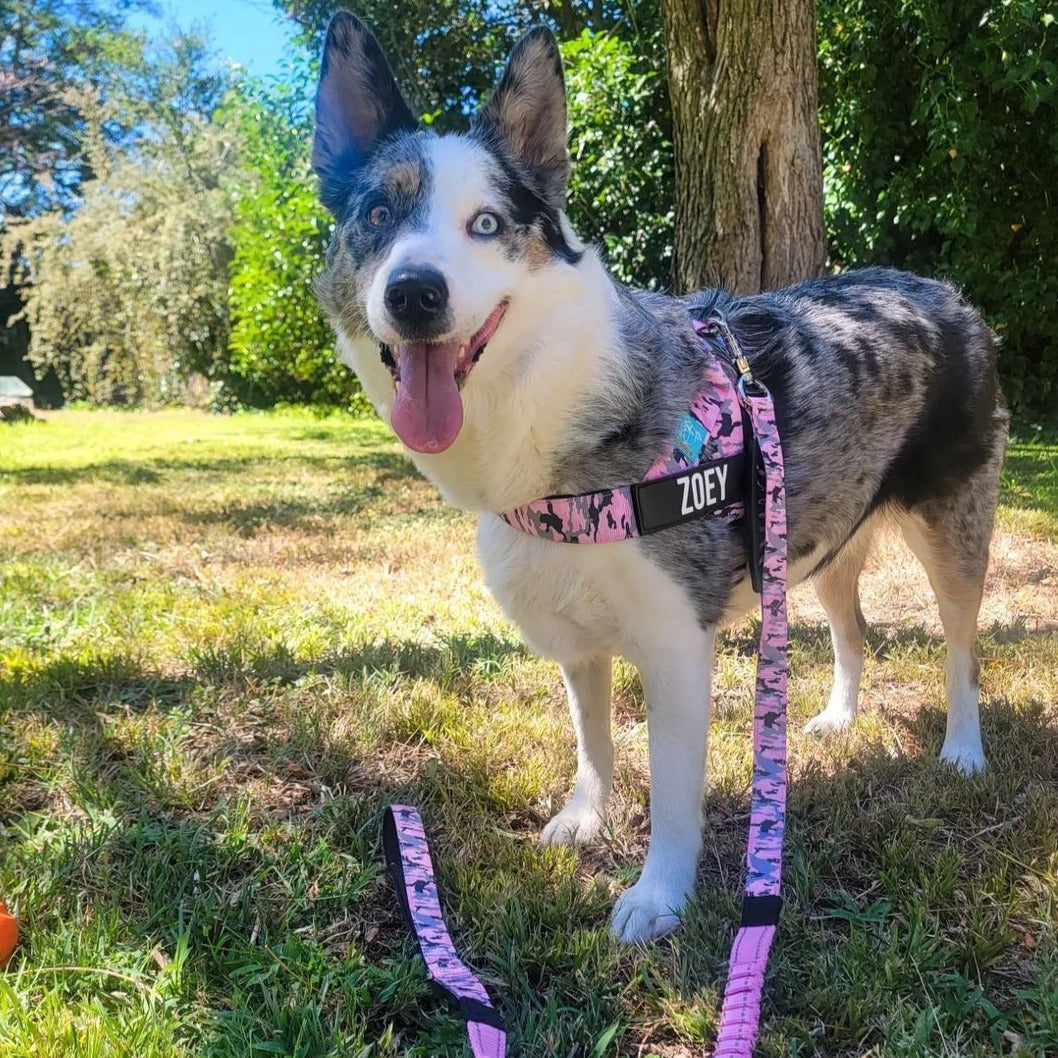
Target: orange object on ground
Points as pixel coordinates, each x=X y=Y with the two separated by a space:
x=8 y=934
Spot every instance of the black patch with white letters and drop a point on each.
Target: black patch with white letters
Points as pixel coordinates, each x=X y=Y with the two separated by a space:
x=688 y=494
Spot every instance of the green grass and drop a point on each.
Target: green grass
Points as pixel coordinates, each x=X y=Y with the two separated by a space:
x=1030 y=486
x=227 y=643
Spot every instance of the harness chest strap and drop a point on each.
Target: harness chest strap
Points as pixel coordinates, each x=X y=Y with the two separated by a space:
x=628 y=511
x=702 y=472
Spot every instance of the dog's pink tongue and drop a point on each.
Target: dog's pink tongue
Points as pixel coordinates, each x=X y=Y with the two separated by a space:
x=428 y=411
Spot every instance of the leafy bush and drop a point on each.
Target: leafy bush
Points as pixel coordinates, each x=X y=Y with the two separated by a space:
x=940 y=133
x=127 y=295
x=281 y=348
x=620 y=194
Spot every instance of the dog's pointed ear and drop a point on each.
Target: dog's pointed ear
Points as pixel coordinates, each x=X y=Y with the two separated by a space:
x=526 y=115
x=358 y=104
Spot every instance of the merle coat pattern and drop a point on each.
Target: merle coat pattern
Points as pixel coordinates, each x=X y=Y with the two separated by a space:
x=514 y=367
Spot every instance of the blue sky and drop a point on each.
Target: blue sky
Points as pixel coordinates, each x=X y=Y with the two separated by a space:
x=247 y=31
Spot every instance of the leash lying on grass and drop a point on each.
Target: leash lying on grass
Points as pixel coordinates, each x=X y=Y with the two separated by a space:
x=715 y=429
x=408 y=858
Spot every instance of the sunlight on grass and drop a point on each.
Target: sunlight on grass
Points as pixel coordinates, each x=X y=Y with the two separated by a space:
x=226 y=643
x=1030 y=488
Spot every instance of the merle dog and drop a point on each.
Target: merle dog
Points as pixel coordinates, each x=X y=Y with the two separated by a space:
x=512 y=367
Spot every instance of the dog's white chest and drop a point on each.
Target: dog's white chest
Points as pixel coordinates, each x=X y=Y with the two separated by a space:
x=572 y=601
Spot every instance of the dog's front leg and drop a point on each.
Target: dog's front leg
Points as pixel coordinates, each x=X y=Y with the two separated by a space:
x=677 y=694
x=588 y=687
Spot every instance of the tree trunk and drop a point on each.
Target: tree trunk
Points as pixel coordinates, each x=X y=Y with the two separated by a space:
x=749 y=171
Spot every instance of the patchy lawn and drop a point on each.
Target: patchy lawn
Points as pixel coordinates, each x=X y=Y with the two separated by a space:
x=227 y=643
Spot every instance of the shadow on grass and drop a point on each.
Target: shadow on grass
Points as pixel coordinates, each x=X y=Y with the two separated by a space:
x=453 y=657
x=390 y=467
x=814 y=639
x=81 y=697
x=80 y=694
x=247 y=513
x=885 y=640
x=75 y=690
x=247 y=518
x=896 y=876
x=115 y=472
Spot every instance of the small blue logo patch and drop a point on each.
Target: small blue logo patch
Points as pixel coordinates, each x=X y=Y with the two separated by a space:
x=690 y=437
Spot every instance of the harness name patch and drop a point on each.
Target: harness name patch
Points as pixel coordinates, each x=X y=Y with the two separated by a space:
x=688 y=494
x=703 y=488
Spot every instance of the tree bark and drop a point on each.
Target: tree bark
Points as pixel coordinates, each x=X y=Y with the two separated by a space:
x=749 y=171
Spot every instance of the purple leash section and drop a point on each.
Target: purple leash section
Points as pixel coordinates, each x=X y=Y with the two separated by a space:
x=740 y=1013
x=408 y=858
x=704 y=473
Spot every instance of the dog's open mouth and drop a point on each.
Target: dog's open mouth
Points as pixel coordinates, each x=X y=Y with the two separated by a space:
x=428 y=410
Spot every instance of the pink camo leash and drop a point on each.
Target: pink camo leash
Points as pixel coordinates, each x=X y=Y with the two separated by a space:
x=761 y=904
x=408 y=858
x=617 y=515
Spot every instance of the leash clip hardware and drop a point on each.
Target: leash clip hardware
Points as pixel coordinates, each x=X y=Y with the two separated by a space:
x=748 y=386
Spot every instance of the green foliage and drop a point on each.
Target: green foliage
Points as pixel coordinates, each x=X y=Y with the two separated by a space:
x=128 y=295
x=941 y=156
x=282 y=348
x=446 y=53
x=620 y=194
x=940 y=131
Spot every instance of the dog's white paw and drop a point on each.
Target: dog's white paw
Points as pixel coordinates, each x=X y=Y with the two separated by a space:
x=829 y=720
x=576 y=824
x=646 y=911
x=967 y=756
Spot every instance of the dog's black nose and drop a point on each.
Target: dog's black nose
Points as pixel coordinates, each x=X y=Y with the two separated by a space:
x=416 y=295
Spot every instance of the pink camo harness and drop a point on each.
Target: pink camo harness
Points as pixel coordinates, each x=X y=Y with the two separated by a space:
x=711 y=436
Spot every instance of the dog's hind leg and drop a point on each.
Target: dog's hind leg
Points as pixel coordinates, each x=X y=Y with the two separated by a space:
x=588 y=685
x=676 y=679
x=950 y=537
x=837 y=586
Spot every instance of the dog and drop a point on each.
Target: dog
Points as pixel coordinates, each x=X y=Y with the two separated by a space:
x=512 y=366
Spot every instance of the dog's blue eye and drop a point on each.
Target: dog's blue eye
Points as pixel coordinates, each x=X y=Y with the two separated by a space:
x=379 y=215
x=485 y=223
